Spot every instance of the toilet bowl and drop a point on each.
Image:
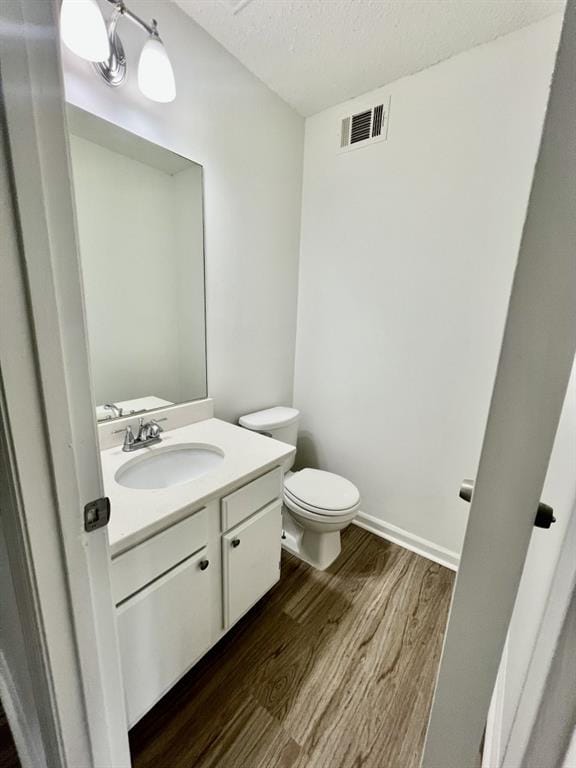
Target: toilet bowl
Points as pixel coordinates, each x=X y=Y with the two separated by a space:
x=317 y=504
x=322 y=504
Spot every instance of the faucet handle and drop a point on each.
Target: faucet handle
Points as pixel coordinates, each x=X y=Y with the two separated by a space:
x=142 y=430
x=154 y=428
x=128 y=438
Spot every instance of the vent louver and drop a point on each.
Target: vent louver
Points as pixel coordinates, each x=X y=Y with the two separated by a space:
x=377 y=122
x=361 y=125
x=365 y=127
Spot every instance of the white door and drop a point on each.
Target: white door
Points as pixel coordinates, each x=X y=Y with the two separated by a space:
x=50 y=468
x=529 y=389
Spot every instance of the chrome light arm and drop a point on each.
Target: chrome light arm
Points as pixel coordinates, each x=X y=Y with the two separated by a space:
x=122 y=10
x=113 y=71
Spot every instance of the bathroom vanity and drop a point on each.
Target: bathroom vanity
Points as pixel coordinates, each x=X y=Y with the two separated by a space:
x=195 y=528
x=189 y=559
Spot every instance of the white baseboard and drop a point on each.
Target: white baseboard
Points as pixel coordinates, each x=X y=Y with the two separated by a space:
x=408 y=540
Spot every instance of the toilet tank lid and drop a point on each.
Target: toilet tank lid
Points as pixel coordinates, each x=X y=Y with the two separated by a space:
x=271 y=418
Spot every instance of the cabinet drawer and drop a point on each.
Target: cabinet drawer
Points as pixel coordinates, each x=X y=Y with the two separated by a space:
x=134 y=569
x=161 y=631
x=252 y=497
x=251 y=561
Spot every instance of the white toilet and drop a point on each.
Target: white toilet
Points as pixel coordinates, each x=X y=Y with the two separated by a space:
x=317 y=504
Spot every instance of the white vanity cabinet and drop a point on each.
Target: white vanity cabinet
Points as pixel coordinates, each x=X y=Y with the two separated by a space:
x=251 y=560
x=162 y=630
x=179 y=591
x=251 y=544
x=141 y=565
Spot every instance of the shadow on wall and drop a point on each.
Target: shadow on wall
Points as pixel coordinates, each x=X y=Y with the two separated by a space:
x=306 y=453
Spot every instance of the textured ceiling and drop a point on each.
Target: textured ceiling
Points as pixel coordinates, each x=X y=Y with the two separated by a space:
x=317 y=53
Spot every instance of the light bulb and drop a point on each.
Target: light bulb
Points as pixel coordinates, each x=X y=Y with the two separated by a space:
x=155 y=73
x=83 y=29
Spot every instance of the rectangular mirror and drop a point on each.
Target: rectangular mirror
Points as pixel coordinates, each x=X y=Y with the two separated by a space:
x=140 y=225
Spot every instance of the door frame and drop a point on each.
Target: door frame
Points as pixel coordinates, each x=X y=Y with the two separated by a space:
x=50 y=462
x=529 y=389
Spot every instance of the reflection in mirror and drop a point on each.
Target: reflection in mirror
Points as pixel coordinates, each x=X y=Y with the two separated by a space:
x=139 y=214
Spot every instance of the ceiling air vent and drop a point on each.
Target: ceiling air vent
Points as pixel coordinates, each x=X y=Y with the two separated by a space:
x=365 y=127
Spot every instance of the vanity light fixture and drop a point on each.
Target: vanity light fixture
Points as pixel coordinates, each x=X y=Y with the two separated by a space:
x=81 y=26
x=155 y=74
x=83 y=29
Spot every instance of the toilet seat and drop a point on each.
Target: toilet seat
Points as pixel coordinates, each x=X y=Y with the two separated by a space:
x=308 y=510
x=339 y=520
x=322 y=493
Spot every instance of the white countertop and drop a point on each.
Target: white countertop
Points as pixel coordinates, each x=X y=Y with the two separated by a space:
x=138 y=514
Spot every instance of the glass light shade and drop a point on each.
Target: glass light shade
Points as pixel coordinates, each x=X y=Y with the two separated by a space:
x=155 y=73
x=83 y=29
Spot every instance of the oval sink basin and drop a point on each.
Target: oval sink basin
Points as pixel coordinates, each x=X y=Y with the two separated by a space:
x=165 y=467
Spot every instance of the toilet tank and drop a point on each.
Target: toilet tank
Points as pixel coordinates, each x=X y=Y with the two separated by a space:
x=280 y=422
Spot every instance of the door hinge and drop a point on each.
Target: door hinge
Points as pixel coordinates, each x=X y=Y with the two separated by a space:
x=96 y=514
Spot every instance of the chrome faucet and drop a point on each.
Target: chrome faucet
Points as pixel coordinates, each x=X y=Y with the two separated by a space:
x=148 y=434
x=116 y=410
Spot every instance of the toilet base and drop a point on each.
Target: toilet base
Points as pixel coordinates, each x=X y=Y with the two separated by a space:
x=317 y=549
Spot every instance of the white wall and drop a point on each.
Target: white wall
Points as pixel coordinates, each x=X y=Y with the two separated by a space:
x=407 y=254
x=250 y=144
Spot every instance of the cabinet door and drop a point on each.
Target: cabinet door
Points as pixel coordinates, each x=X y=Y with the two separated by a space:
x=162 y=630
x=251 y=559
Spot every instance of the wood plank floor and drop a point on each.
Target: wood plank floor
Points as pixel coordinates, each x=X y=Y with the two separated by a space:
x=329 y=670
